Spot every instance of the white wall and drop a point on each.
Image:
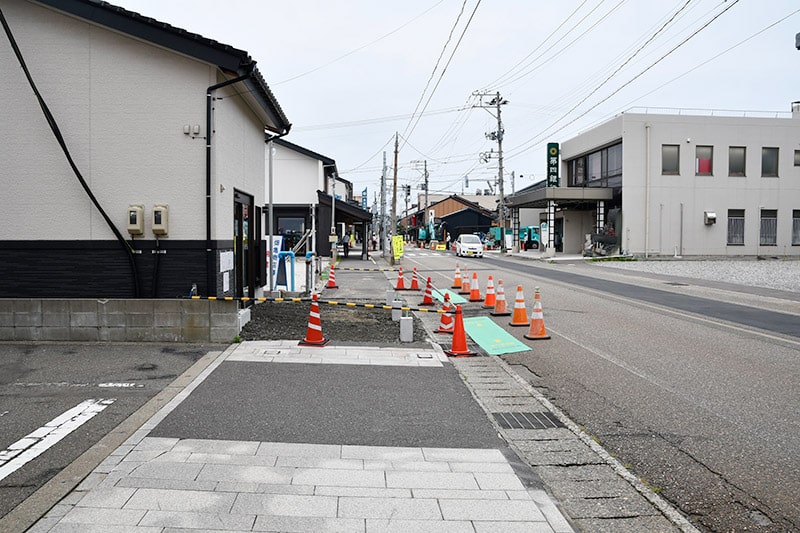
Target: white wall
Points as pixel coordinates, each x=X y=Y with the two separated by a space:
x=296 y=177
x=121 y=105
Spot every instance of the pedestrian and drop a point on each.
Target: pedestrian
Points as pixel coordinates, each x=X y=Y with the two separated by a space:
x=346 y=245
x=352 y=240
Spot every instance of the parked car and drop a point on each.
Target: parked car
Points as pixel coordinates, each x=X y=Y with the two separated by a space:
x=468 y=244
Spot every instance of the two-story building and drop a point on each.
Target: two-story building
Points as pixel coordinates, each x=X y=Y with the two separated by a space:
x=679 y=184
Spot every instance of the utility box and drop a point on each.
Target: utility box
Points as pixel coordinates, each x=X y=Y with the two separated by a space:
x=135 y=219
x=160 y=219
x=709 y=218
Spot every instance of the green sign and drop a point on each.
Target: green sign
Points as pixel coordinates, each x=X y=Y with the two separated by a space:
x=552 y=165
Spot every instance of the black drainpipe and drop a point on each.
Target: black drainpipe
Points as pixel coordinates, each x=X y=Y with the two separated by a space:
x=210 y=264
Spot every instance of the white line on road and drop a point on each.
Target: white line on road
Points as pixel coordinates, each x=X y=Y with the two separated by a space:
x=34 y=444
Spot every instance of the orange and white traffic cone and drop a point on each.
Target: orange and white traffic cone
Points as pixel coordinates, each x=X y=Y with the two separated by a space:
x=459 y=346
x=314 y=331
x=457 y=278
x=500 y=308
x=475 y=289
x=331 y=279
x=401 y=281
x=520 y=317
x=466 y=286
x=414 y=281
x=537 y=331
x=446 y=323
x=428 y=298
x=491 y=299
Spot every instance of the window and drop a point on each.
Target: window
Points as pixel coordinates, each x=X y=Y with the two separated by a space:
x=576 y=171
x=670 y=158
x=736 y=159
x=769 y=162
x=797 y=158
x=735 y=227
x=704 y=156
x=796 y=227
x=594 y=166
x=768 y=235
x=612 y=161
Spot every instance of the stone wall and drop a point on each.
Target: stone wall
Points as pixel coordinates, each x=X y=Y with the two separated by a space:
x=91 y=320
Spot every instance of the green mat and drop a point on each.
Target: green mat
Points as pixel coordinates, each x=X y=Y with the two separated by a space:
x=491 y=337
x=455 y=298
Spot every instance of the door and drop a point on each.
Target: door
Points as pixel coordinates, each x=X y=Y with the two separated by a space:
x=245 y=245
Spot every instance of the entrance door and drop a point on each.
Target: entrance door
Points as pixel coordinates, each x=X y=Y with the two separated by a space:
x=244 y=245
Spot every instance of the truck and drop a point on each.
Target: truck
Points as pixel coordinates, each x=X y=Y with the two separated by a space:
x=525 y=243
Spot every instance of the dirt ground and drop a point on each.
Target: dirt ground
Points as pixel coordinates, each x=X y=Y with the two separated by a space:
x=340 y=324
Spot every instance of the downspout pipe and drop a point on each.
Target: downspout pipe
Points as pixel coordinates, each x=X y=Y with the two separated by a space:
x=210 y=266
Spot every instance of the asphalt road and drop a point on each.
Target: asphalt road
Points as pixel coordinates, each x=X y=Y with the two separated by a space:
x=40 y=381
x=695 y=393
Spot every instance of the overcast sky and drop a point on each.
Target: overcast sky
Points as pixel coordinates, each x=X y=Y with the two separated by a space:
x=349 y=74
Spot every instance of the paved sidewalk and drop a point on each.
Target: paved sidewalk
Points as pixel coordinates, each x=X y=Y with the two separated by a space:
x=162 y=484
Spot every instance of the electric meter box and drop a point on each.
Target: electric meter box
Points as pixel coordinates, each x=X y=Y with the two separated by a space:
x=136 y=219
x=160 y=219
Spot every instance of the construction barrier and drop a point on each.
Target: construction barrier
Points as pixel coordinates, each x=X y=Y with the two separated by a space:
x=414 y=281
x=520 y=317
x=401 y=281
x=446 y=323
x=457 y=278
x=491 y=298
x=475 y=289
x=428 y=298
x=331 y=279
x=500 y=308
x=459 y=346
x=537 y=330
x=314 y=330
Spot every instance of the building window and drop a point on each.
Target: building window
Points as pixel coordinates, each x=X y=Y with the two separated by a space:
x=735 y=227
x=670 y=159
x=736 y=159
x=576 y=171
x=769 y=162
x=797 y=158
x=704 y=156
x=612 y=161
x=768 y=235
x=796 y=227
x=594 y=166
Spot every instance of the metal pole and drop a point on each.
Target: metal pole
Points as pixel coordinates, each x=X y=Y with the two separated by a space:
x=502 y=206
x=333 y=218
x=383 y=208
x=394 y=194
x=270 y=147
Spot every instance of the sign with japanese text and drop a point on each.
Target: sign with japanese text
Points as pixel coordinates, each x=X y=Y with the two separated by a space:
x=364 y=199
x=553 y=179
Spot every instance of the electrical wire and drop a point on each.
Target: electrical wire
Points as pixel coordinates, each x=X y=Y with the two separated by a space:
x=51 y=121
x=524 y=147
x=351 y=52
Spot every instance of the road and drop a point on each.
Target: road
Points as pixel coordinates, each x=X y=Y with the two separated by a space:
x=39 y=382
x=693 y=386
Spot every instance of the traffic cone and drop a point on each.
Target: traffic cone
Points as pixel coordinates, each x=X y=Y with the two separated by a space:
x=475 y=290
x=446 y=323
x=459 y=346
x=314 y=331
x=466 y=286
x=414 y=281
x=520 y=317
x=428 y=298
x=331 y=279
x=500 y=308
x=537 y=331
x=457 y=278
x=491 y=299
x=401 y=281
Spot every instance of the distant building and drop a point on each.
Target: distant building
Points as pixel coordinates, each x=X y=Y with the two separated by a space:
x=676 y=184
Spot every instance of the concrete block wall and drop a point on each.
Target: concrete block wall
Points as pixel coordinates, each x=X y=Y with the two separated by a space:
x=90 y=320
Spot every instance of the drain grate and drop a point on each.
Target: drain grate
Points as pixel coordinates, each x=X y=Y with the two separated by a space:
x=541 y=420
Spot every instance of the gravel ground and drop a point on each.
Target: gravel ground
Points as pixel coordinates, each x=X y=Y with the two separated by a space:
x=773 y=274
x=349 y=325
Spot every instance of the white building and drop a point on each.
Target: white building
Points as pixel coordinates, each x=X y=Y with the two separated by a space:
x=677 y=184
x=151 y=115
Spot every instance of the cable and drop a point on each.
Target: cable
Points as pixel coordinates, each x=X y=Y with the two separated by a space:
x=51 y=121
x=351 y=52
x=444 y=70
x=524 y=147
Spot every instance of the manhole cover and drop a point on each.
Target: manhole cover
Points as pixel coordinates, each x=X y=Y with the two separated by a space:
x=540 y=420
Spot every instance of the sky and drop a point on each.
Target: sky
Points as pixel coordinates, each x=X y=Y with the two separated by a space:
x=352 y=74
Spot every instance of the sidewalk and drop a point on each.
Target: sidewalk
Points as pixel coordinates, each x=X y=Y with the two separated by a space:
x=273 y=436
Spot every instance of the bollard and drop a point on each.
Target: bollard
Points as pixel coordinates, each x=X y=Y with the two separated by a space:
x=406 y=329
x=389 y=297
x=397 y=313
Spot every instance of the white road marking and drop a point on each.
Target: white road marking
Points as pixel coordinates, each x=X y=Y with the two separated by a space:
x=34 y=444
x=123 y=385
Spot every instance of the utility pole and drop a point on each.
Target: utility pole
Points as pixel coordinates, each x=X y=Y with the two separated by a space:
x=383 y=208
x=425 y=214
x=495 y=103
x=394 y=193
